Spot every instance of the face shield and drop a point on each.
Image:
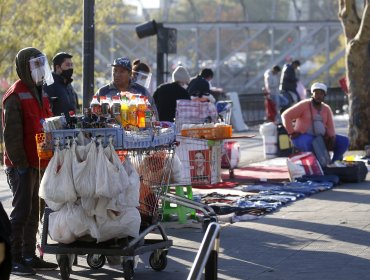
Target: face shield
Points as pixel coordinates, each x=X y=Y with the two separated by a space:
x=40 y=71
x=142 y=78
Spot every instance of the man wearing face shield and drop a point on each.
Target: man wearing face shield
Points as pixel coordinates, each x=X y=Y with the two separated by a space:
x=62 y=96
x=141 y=73
x=24 y=106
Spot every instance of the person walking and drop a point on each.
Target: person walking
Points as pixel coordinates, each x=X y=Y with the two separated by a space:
x=24 y=106
x=289 y=81
x=167 y=94
x=62 y=96
x=312 y=117
x=271 y=81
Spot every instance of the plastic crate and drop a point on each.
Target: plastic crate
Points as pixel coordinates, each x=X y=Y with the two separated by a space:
x=137 y=139
x=164 y=136
x=116 y=134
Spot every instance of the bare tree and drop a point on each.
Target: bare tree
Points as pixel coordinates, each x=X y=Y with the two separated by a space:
x=357 y=32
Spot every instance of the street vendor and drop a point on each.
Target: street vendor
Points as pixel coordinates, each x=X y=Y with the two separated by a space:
x=25 y=104
x=122 y=82
x=313 y=117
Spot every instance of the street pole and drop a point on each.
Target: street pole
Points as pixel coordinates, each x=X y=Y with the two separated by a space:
x=88 y=52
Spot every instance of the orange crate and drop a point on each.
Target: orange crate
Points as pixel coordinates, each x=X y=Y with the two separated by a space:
x=218 y=132
x=224 y=131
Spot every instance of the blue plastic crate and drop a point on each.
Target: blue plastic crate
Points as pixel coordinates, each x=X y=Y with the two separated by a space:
x=164 y=136
x=137 y=139
x=116 y=134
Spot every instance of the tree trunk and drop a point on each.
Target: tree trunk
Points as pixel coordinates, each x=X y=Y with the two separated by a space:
x=357 y=33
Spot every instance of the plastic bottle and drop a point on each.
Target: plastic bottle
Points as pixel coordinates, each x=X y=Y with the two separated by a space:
x=124 y=111
x=141 y=108
x=115 y=107
x=104 y=106
x=148 y=114
x=95 y=106
x=132 y=111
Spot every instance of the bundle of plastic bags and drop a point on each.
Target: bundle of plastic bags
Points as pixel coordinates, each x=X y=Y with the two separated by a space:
x=92 y=193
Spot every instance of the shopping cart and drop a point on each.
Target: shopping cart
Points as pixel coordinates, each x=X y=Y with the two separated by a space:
x=153 y=165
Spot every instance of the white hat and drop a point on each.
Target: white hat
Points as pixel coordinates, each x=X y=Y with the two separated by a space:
x=180 y=75
x=319 y=86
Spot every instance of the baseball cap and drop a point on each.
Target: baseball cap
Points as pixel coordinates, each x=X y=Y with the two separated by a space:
x=319 y=86
x=123 y=62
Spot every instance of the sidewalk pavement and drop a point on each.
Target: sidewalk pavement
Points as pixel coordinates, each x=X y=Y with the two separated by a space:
x=324 y=236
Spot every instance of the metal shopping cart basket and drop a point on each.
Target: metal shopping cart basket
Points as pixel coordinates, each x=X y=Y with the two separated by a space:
x=153 y=166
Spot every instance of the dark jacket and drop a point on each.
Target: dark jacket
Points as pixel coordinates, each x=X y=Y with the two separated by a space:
x=165 y=97
x=62 y=96
x=288 y=79
x=199 y=87
x=5 y=230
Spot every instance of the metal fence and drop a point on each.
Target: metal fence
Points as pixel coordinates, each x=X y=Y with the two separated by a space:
x=253 y=107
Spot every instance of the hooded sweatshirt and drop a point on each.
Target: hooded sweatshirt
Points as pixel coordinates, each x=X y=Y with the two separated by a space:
x=13 y=123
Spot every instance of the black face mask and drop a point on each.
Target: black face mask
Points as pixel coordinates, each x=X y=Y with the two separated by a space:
x=67 y=74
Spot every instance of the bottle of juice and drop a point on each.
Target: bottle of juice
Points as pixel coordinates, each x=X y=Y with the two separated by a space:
x=141 y=108
x=95 y=106
x=132 y=111
x=148 y=113
x=124 y=111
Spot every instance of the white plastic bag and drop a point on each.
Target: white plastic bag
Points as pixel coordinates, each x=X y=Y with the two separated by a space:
x=111 y=177
x=58 y=226
x=131 y=196
x=177 y=173
x=119 y=224
x=57 y=183
x=79 y=222
x=84 y=168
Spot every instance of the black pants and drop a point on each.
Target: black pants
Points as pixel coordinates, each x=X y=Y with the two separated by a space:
x=24 y=217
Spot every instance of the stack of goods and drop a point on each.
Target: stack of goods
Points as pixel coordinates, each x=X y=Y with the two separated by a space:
x=92 y=193
x=207 y=131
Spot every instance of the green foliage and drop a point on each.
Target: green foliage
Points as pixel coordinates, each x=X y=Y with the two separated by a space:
x=50 y=26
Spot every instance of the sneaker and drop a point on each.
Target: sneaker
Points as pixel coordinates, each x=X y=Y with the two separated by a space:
x=22 y=269
x=38 y=264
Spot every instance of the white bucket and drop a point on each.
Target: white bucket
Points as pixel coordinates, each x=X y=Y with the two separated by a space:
x=269 y=146
x=268 y=129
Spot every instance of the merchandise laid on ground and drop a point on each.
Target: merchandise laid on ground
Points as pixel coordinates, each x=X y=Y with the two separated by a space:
x=257 y=190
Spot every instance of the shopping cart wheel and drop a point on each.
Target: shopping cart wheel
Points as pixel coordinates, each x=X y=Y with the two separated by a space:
x=128 y=270
x=158 y=260
x=64 y=267
x=95 y=261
